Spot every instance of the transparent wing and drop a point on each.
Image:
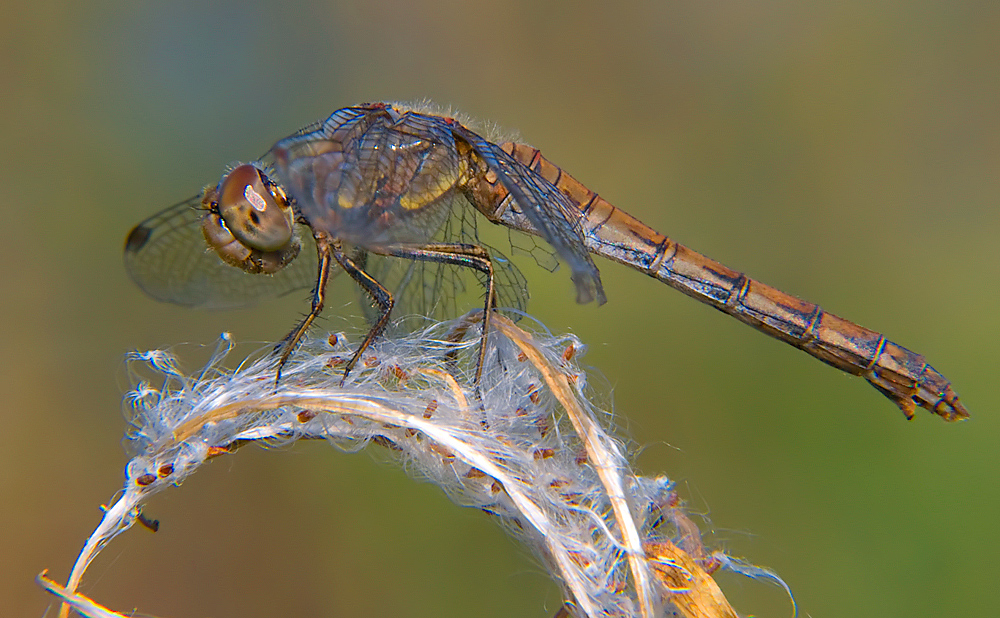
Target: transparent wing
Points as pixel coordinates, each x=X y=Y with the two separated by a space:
x=168 y=259
x=549 y=211
x=364 y=168
x=444 y=291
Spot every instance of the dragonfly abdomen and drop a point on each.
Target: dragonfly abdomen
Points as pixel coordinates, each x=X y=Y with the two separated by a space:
x=901 y=375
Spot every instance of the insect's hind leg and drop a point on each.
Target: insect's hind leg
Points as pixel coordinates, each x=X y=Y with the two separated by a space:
x=459 y=254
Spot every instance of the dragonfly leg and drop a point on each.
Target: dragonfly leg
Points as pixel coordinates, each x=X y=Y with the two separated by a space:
x=323 y=250
x=459 y=254
x=374 y=289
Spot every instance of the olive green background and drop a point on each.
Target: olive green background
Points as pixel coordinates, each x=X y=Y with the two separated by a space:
x=846 y=152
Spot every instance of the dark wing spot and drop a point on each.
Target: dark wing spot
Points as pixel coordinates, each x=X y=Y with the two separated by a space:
x=137 y=238
x=255 y=218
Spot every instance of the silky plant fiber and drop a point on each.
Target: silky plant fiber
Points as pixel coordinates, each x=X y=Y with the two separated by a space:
x=524 y=444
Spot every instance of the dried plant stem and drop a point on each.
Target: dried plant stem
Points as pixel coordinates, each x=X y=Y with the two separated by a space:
x=611 y=538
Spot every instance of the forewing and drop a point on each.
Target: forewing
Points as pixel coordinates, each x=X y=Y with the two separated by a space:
x=166 y=256
x=549 y=212
x=363 y=168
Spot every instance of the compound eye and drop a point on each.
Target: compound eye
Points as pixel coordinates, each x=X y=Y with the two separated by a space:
x=251 y=212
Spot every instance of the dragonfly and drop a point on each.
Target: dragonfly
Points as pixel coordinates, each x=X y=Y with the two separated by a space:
x=392 y=195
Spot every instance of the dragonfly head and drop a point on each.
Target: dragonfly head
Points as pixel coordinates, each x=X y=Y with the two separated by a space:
x=250 y=223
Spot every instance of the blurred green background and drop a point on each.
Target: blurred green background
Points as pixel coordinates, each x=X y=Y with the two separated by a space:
x=846 y=152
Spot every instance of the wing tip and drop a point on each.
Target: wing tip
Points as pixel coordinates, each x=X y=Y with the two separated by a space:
x=589 y=287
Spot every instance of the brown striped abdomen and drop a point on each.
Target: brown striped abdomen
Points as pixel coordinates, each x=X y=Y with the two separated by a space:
x=901 y=375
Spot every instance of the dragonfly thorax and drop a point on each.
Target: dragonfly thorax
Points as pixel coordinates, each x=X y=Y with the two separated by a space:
x=372 y=183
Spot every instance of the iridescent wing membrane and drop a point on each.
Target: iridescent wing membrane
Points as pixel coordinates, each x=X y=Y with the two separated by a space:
x=549 y=213
x=168 y=259
x=440 y=291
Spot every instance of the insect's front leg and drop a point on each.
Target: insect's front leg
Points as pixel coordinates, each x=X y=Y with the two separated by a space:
x=324 y=250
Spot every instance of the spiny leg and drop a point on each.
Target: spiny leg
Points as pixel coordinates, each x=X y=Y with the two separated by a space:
x=323 y=247
x=375 y=290
x=459 y=254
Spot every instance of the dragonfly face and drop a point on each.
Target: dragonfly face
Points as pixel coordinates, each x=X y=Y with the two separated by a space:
x=249 y=222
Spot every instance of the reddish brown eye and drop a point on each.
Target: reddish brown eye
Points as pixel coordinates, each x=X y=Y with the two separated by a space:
x=251 y=212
